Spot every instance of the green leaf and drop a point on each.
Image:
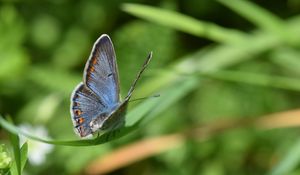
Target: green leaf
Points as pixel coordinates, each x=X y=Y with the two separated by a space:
x=99 y=140
x=22 y=158
x=24 y=150
x=185 y=23
x=15 y=141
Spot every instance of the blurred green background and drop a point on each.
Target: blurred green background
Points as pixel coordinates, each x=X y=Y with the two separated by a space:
x=213 y=61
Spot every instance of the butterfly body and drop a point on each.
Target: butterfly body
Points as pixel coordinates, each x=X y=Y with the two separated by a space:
x=95 y=102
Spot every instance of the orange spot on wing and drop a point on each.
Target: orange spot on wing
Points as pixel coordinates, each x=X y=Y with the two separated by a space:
x=78 y=112
x=94 y=61
x=80 y=120
x=92 y=68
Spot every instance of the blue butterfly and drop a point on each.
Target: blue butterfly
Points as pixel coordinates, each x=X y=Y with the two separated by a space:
x=95 y=102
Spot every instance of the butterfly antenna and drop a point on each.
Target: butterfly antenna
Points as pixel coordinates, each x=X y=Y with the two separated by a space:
x=138 y=76
x=143 y=98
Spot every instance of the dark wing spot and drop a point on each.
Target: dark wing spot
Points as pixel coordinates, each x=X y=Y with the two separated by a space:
x=76 y=104
x=80 y=120
x=78 y=112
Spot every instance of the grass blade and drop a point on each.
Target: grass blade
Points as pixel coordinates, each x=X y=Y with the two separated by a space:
x=100 y=140
x=287 y=58
x=258 y=16
x=185 y=23
x=15 y=141
x=24 y=151
x=257 y=79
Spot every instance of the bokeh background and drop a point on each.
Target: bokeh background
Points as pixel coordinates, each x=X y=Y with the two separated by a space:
x=227 y=72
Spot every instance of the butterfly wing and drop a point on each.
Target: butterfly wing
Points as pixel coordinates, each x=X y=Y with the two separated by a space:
x=99 y=92
x=101 y=72
x=117 y=117
x=85 y=105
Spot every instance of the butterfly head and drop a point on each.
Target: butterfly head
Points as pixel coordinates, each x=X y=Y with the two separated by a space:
x=96 y=123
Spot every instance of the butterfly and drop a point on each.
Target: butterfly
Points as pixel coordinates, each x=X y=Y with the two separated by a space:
x=95 y=103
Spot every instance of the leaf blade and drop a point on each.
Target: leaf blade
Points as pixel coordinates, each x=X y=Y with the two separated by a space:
x=185 y=23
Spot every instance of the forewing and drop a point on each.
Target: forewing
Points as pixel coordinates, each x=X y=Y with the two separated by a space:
x=85 y=105
x=117 y=117
x=101 y=72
